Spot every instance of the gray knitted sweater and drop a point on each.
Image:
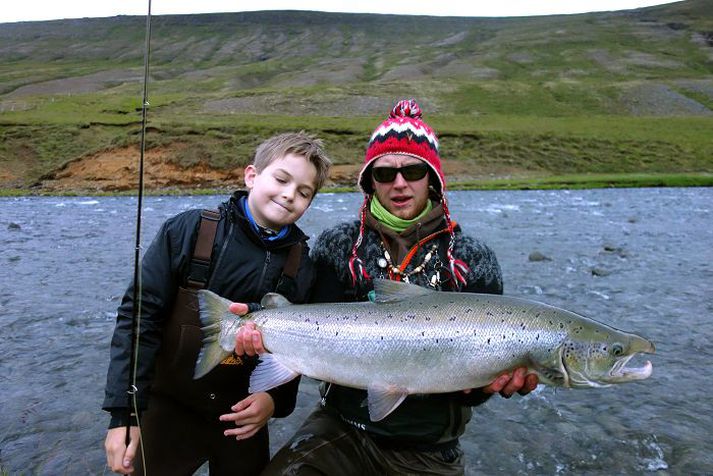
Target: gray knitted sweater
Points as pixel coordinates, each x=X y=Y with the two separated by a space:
x=421 y=419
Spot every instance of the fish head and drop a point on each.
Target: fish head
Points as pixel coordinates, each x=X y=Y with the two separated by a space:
x=603 y=358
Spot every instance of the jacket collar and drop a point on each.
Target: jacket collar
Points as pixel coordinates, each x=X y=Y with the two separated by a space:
x=235 y=213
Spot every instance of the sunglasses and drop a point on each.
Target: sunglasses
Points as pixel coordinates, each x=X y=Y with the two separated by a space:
x=410 y=173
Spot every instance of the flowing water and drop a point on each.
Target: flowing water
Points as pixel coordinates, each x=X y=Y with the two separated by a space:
x=638 y=259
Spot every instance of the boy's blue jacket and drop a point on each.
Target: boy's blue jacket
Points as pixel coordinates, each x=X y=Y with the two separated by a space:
x=244 y=268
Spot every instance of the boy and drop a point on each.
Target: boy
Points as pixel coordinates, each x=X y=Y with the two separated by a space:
x=247 y=249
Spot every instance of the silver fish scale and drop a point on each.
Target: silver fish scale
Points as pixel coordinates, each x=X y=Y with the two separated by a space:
x=433 y=344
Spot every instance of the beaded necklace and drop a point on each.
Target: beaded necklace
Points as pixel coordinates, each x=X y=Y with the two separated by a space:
x=398 y=272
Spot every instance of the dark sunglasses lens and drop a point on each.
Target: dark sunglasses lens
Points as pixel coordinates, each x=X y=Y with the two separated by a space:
x=384 y=174
x=409 y=173
x=414 y=172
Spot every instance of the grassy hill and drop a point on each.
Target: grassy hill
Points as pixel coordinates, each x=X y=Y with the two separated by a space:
x=512 y=99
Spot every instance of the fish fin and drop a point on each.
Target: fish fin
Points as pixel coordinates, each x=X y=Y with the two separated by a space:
x=269 y=373
x=384 y=400
x=394 y=291
x=273 y=300
x=551 y=377
x=212 y=310
x=552 y=371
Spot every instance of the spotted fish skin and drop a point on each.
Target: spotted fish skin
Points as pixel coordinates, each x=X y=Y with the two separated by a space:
x=415 y=340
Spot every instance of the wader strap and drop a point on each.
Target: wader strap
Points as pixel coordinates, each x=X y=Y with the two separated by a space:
x=198 y=272
x=287 y=284
x=292 y=264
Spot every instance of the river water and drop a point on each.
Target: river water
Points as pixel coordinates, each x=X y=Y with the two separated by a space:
x=639 y=259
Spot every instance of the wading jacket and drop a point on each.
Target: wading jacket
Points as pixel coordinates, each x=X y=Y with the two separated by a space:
x=421 y=421
x=243 y=268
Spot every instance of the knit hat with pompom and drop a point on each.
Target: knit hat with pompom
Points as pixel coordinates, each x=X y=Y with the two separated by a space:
x=403 y=133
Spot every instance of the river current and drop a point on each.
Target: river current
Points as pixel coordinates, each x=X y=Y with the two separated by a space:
x=638 y=259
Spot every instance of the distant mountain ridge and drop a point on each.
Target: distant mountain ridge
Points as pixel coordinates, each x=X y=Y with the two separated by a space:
x=625 y=93
x=267 y=62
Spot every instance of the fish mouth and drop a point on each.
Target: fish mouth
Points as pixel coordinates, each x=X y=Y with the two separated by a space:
x=621 y=373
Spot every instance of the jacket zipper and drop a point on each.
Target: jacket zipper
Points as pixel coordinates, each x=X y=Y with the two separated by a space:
x=264 y=268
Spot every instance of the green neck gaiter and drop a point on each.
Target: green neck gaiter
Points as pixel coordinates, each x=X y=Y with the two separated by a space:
x=395 y=223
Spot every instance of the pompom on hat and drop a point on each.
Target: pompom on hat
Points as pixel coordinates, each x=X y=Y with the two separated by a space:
x=404 y=132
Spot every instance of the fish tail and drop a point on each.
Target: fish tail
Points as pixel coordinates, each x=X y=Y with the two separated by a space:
x=213 y=310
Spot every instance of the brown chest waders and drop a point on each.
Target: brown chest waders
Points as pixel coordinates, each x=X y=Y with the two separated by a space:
x=213 y=394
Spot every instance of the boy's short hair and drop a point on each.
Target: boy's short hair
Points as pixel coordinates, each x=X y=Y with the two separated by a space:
x=298 y=143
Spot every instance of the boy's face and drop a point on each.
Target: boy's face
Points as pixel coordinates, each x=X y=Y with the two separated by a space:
x=281 y=193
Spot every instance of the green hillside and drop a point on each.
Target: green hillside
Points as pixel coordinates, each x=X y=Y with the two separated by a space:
x=512 y=98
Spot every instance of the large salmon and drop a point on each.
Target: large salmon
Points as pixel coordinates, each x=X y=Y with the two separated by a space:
x=415 y=340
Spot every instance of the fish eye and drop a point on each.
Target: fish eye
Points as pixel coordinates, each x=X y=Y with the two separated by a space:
x=617 y=350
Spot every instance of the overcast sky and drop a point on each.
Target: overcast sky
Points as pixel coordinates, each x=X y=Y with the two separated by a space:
x=29 y=10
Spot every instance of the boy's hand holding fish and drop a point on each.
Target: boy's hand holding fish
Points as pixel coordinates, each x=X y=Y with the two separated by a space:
x=253 y=412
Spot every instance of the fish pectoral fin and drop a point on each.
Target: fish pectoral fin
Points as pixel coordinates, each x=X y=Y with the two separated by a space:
x=386 y=290
x=269 y=373
x=552 y=377
x=550 y=368
x=548 y=375
x=384 y=400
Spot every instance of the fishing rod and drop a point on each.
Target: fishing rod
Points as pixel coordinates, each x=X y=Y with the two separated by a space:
x=136 y=312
